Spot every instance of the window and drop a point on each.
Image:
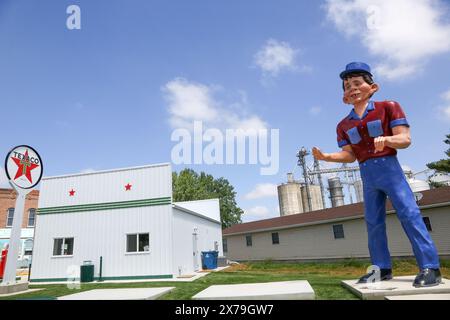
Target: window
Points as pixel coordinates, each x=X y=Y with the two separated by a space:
x=338 y=230
x=31 y=217
x=225 y=245
x=9 y=220
x=28 y=247
x=63 y=247
x=138 y=242
x=275 y=238
x=427 y=222
x=248 y=239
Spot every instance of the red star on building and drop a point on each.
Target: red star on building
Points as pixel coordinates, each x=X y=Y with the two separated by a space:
x=24 y=167
x=128 y=187
x=71 y=193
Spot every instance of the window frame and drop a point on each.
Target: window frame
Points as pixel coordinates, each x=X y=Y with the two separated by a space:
x=34 y=218
x=247 y=242
x=427 y=222
x=8 y=217
x=61 y=253
x=224 y=245
x=277 y=238
x=335 y=234
x=137 y=234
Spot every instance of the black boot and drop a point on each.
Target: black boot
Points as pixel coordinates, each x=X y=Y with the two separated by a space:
x=385 y=274
x=428 y=278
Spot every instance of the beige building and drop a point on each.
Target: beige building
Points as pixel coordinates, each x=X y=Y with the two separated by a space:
x=334 y=233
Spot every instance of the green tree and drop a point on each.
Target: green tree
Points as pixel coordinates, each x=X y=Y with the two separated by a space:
x=188 y=185
x=442 y=165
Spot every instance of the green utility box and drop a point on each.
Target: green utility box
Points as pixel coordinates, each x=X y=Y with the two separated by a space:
x=87 y=271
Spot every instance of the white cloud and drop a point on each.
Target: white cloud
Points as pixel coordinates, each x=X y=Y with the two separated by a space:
x=262 y=190
x=315 y=111
x=446 y=95
x=258 y=213
x=4 y=179
x=402 y=34
x=406 y=168
x=190 y=101
x=444 y=109
x=275 y=57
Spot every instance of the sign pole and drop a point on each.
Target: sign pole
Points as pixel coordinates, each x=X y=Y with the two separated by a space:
x=14 y=242
x=23 y=167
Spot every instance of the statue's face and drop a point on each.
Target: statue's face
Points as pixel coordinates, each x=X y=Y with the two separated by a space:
x=356 y=90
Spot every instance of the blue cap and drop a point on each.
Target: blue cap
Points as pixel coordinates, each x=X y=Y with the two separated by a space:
x=355 y=67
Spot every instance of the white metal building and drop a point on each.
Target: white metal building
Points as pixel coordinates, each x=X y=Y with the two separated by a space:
x=124 y=217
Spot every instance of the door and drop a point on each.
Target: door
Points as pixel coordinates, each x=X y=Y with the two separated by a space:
x=195 y=250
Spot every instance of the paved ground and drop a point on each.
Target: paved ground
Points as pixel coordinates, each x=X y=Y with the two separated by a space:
x=119 y=294
x=20 y=292
x=430 y=296
x=183 y=278
x=284 y=290
x=398 y=286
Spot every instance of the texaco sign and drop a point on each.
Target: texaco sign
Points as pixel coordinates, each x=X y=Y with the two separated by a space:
x=23 y=167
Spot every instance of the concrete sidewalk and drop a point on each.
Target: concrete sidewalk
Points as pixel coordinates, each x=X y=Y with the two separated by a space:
x=184 y=278
x=283 y=290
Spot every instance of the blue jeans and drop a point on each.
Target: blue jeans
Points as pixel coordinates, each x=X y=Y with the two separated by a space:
x=384 y=177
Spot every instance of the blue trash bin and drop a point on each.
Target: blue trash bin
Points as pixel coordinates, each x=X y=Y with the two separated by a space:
x=209 y=259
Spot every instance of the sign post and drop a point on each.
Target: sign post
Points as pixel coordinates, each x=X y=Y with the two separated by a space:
x=23 y=167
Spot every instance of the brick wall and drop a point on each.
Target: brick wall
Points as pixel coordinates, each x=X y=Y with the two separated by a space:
x=8 y=200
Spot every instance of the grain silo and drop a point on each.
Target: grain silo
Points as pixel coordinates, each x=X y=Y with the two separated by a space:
x=359 y=190
x=440 y=178
x=418 y=185
x=316 y=198
x=336 y=193
x=289 y=197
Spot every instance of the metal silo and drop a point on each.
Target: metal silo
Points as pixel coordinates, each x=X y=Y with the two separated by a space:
x=440 y=178
x=359 y=190
x=316 y=198
x=289 y=197
x=336 y=193
x=418 y=185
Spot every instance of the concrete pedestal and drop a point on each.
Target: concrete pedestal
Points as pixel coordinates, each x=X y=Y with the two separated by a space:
x=430 y=296
x=284 y=290
x=11 y=288
x=119 y=294
x=398 y=286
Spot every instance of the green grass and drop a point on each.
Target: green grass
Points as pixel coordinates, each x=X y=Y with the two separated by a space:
x=325 y=278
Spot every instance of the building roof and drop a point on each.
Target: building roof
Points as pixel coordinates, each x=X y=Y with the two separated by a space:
x=439 y=196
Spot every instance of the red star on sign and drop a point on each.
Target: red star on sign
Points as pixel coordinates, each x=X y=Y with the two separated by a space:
x=24 y=167
x=71 y=193
x=128 y=187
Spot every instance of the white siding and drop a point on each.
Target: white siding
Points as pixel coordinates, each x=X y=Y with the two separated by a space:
x=107 y=186
x=317 y=241
x=208 y=232
x=103 y=232
x=209 y=208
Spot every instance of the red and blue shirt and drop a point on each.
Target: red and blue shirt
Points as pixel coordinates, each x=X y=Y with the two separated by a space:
x=378 y=120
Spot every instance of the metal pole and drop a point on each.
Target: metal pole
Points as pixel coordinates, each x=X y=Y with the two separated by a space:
x=14 y=240
x=301 y=160
x=101 y=266
x=319 y=177
x=348 y=183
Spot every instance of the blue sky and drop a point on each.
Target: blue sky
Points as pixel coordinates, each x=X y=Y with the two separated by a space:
x=110 y=94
